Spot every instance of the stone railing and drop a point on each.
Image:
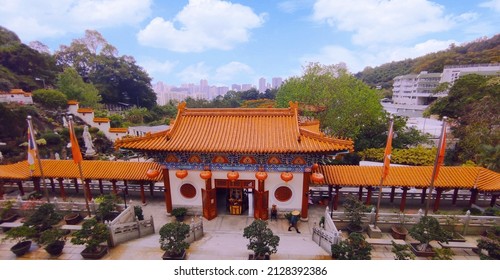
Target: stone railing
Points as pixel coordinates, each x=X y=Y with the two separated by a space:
x=195 y=231
x=327 y=234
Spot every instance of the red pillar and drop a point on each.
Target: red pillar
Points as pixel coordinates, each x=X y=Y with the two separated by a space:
x=403 y=199
x=100 y=186
x=493 y=200
x=455 y=195
x=126 y=186
x=143 y=197
x=20 y=186
x=336 y=201
x=167 y=191
x=473 y=196
x=439 y=191
x=52 y=185
x=113 y=183
x=369 y=195
x=360 y=193
x=61 y=188
x=87 y=187
x=422 y=198
x=151 y=188
x=305 y=196
x=75 y=181
x=393 y=191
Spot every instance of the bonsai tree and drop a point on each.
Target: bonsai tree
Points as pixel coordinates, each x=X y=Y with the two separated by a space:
x=451 y=222
x=426 y=230
x=402 y=252
x=353 y=209
x=91 y=235
x=20 y=234
x=138 y=212
x=53 y=240
x=6 y=214
x=443 y=254
x=179 y=213
x=107 y=204
x=172 y=238
x=43 y=218
x=262 y=241
x=354 y=248
x=491 y=244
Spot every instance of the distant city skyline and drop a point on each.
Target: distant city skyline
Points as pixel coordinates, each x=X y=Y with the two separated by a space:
x=237 y=42
x=203 y=90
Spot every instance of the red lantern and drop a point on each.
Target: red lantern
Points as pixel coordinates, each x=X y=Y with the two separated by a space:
x=261 y=176
x=286 y=176
x=317 y=178
x=205 y=174
x=233 y=175
x=315 y=167
x=152 y=173
x=181 y=174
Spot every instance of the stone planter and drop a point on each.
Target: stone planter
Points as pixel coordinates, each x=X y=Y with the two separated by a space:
x=101 y=251
x=168 y=256
x=429 y=253
x=21 y=248
x=399 y=232
x=72 y=218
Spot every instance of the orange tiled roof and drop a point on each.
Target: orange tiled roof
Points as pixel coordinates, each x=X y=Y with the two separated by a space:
x=72 y=102
x=118 y=130
x=412 y=176
x=85 y=110
x=101 y=120
x=92 y=169
x=240 y=130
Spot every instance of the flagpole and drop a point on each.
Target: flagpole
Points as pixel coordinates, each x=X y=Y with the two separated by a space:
x=436 y=166
x=72 y=132
x=37 y=153
x=391 y=123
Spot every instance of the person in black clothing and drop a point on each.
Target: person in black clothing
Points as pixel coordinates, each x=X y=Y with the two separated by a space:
x=294 y=220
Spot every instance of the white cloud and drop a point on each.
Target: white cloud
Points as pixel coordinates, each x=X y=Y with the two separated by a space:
x=231 y=70
x=194 y=72
x=493 y=4
x=202 y=25
x=357 y=60
x=34 y=20
x=153 y=66
x=383 y=21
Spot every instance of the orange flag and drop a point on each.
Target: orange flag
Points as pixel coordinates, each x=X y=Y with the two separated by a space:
x=388 y=151
x=75 y=148
x=441 y=151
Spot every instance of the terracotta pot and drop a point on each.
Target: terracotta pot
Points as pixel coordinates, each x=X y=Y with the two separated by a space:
x=253 y=257
x=429 y=253
x=55 y=248
x=399 y=232
x=9 y=218
x=72 y=218
x=168 y=256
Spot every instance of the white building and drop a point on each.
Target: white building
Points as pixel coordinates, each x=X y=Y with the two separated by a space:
x=16 y=96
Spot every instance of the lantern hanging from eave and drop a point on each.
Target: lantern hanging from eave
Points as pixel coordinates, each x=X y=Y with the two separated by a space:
x=317 y=178
x=205 y=174
x=286 y=176
x=152 y=173
x=233 y=175
x=315 y=167
x=261 y=176
x=181 y=174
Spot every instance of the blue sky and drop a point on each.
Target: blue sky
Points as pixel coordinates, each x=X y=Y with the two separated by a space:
x=240 y=41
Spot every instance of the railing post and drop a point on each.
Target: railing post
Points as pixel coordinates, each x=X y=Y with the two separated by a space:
x=466 y=222
x=372 y=216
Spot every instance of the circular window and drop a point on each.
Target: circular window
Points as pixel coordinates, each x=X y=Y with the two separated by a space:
x=283 y=193
x=188 y=191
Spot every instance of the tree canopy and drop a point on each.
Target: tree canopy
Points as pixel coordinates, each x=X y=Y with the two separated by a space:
x=72 y=85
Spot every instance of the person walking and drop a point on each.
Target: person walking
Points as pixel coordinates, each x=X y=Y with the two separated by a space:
x=293 y=221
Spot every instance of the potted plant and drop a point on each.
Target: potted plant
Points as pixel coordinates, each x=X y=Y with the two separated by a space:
x=54 y=240
x=399 y=231
x=172 y=240
x=426 y=230
x=451 y=222
x=444 y=254
x=6 y=214
x=43 y=218
x=353 y=209
x=138 y=212
x=402 y=252
x=22 y=235
x=72 y=218
x=92 y=235
x=354 y=248
x=490 y=243
x=179 y=213
x=262 y=241
x=106 y=211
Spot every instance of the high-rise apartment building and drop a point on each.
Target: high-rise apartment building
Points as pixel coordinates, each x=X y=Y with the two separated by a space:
x=262 y=85
x=276 y=82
